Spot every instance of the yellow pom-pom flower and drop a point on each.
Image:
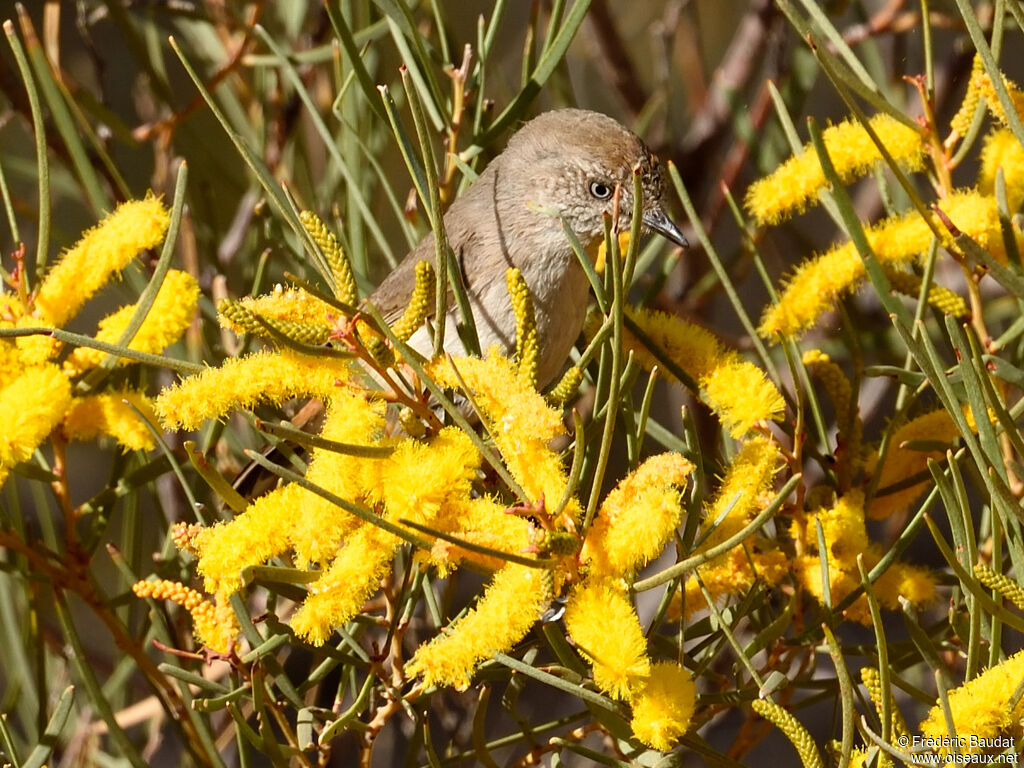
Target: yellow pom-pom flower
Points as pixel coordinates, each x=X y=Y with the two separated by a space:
x=637 y=518
x=983 y=709
x=510 y=605
x=795 y=184
x=737 y=391
x=30 y=407
x=168 y=318
x=663 y=706
x=604 y=625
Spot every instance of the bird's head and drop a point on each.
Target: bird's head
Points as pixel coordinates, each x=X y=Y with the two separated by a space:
x=569 y=162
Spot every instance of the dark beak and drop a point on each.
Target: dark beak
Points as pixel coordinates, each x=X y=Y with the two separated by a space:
x=662 y=224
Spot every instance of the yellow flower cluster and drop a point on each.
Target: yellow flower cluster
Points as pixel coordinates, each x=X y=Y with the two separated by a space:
x=102 y=253
x=261 y=377
x=293 y=518
x=632 y=526
x=816 y=285
x=663 y=705
x=519 y=420
x=902 y=462
x=795 y=184
x=428 y=482
x=637 y=518
x=215 y=623
x=289 y=304
x=501 y=618
x=845 y=538
x=602 y=622
x=35 y=393
x=743 y=494
x=737 y=391
x=421 y=303
x=168 y=318
x=1003 y=152
x=980 y=86
x=984 y=709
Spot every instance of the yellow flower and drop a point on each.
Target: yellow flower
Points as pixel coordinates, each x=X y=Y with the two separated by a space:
x=737 y=391
x=981 y=80
x=795 y=184
x=168 y=318
x=663 y=706
x=519 y=419
x=319 y=526
x=285 y=305
x=914 y=584
x=742 y=495
x=1003 y=151
x=982 y=708
x=103 y=251
x=603 y=624
x=247 y=381
x=510 y=606
x=480 y=521
x=961 y=122
x=734 y=573
x=419 y=477
x=10 y=357
x=293 y=518
x=352 y=578
x=215 y=624
x=637 y=518
x=846 y=538
x=261 y=532
x=902 y=463
x=109 y=414
x=741 y=394
x=837 y=385
x=30 y=407
x=842 y=527
x=817 y=284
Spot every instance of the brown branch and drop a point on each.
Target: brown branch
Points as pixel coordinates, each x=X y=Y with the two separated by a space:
x=614 y=60
x=738 y=66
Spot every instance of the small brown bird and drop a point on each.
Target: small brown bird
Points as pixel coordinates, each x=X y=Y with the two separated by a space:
x=568 y=162
x=564 y=164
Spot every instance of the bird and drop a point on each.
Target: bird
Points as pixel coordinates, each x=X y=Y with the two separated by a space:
x=563 y=165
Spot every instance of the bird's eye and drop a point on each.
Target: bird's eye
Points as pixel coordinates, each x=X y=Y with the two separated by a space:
x=600 y=190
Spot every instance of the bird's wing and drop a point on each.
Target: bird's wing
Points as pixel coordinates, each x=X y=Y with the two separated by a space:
x=471 y=229
x=392 y=296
